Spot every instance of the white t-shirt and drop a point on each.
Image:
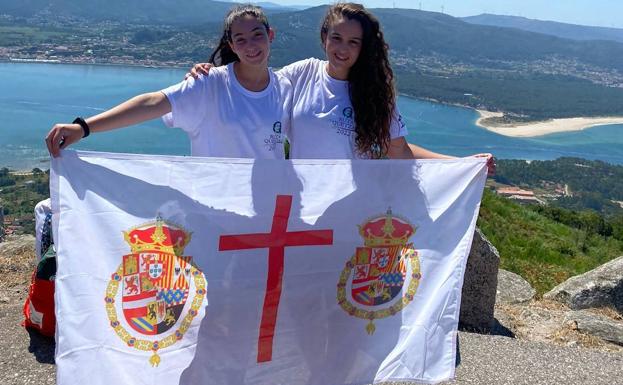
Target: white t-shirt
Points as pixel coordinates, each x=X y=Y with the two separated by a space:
x=224 y=119
x=323 y=125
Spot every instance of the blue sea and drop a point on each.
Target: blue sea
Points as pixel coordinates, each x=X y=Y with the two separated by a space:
x=34 y=96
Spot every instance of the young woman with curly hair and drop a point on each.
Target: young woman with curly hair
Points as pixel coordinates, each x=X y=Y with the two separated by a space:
x=345 y=107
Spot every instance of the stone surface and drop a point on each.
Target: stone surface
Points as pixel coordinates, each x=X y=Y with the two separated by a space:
x=15 y=245
x=1 y=223
x=601 y=287
x=494 y=360
x=596 y=325
x=480 y=285
x=512 y=288
x=548 y=321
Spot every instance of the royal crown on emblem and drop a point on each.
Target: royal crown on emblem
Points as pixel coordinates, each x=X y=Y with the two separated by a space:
x=386 y=230
x=158 y=236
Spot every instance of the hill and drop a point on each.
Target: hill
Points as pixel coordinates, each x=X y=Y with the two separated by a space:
x=544 y=249
x=19 y=193
x=531 y=76
x=593 y=185
x=573 y=233
x=564 y=30
x=277 y=7
x=412 y=33
x=429 y=33
x=180 y=12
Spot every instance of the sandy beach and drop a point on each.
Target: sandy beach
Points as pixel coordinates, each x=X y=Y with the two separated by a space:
x=543 y=127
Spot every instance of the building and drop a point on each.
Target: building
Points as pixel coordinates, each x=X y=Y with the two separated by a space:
x=519 y=195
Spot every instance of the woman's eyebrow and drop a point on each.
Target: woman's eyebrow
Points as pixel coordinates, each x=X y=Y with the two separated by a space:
x=242 y=33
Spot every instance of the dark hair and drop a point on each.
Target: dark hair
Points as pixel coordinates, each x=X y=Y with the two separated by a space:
x=223 y=54
x=370 y=80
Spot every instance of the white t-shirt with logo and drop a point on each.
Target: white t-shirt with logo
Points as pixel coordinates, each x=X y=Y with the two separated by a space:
x=224 y=119
x=323 y=125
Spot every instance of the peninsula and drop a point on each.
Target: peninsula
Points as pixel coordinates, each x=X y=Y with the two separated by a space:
x=491 y=121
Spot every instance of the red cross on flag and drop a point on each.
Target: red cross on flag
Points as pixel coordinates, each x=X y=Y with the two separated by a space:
x=231 y=271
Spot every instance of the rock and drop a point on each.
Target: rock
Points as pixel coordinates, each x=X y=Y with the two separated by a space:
x=596 y=325
x=601 y=287
x=479 y=285
x=513 y=289
x=15 y=245
x=537 y=323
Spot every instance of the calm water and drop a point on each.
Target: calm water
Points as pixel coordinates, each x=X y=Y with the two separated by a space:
x=34 y=96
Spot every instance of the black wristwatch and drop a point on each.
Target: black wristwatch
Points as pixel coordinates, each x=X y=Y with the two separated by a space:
x=85 y=127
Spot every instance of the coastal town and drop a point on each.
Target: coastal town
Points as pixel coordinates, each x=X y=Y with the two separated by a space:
x=68 y=40
x=51 y=38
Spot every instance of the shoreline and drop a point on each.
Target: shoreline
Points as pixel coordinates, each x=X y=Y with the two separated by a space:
x=531 y=129
x=85 y=63
x=543 y=127
x=516 y=130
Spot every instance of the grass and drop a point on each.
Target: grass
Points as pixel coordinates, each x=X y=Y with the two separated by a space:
x=19 y=194
x=541 y=250
x=20 y=35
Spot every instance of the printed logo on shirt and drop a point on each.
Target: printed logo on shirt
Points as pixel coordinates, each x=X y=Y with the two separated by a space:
x=273 y=140
x=348 y=112
x=277 y=127
x=402 y=122
x=344 y=125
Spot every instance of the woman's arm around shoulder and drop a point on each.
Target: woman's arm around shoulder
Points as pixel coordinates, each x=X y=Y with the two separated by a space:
x=295 y=71
x=292 y=71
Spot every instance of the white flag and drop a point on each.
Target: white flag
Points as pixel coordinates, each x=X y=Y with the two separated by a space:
x=180 y=270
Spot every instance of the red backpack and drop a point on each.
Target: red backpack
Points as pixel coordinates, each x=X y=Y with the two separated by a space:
x=39 y=305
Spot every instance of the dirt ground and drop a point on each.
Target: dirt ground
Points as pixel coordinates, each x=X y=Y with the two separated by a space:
x=25 y=357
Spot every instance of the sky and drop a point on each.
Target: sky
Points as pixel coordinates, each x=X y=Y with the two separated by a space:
x=605 y=13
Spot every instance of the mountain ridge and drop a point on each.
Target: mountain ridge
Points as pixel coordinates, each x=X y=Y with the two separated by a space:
x=547 y=27
x=428 y=32
x=529 y=75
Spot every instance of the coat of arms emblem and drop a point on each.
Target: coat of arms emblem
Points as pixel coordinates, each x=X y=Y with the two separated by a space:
x=382 y=276
x=158 y=291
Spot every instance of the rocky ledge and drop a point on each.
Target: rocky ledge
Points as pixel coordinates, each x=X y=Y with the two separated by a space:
x=557 y=317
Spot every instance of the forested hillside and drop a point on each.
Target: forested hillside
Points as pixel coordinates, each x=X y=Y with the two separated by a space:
x=591 y=184
x=543 y=247
x=530 y=76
